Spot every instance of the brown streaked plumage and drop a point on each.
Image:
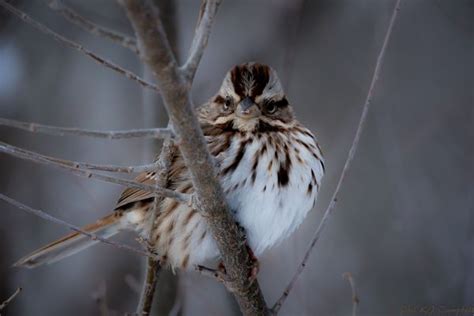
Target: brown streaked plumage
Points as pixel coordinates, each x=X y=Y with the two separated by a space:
x=269 y=165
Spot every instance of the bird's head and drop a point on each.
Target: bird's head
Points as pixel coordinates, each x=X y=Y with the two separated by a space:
x=250 y=98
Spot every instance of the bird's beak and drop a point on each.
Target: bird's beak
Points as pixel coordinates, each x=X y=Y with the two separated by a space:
x=247 y=109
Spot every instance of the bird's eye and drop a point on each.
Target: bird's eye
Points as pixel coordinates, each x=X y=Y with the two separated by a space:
x=271 y=107
x=227 y=103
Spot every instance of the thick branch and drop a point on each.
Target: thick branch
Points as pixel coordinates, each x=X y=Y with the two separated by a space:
x=75 y=169
x=347 y=164
x=201 y=37
x=174 y=88
x=89 y=26
x=100 y=60
x=72 y=131
x=10 y=299
x=75 y=228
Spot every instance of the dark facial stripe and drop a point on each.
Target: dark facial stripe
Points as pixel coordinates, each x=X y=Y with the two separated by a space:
x=264 y=127
x=218 y=129
x=281 y=103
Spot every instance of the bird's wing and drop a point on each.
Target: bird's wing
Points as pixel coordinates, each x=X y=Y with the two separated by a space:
x=132 y=195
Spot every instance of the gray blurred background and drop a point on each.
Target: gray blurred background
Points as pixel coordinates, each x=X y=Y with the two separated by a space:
x=404 y=224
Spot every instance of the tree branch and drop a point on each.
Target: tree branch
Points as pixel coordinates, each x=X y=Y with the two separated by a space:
x=75 y=228
x=89 y=26
x=206 y=18
x=75 y=169
x=347 y=164
x=153 y=265
x=72 y=131
x=10 y=299
x=82 y=165
x=355 y=298
x=100 y=60
x=174 y=88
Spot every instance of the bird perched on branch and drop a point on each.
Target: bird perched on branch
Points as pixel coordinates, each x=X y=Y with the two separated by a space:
x=269 y=165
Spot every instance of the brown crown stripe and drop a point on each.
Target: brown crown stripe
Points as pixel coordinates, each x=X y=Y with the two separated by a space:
x=260 y=75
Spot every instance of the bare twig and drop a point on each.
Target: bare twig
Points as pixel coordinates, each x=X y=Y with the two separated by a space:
x=153 y=266
x=32 y=156
x=100 y=60
x=89 y=26
x=355 y=298
x=211 y=273
x=201 y=36
x=73 y=131
x=347 y=164
x=174 y=88
x=88 y=166
x=75 y=228
x=11 y=298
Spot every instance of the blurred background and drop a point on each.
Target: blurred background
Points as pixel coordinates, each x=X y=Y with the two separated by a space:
x=404 y=223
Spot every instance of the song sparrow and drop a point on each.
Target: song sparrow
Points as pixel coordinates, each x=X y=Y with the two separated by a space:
x=270 y=168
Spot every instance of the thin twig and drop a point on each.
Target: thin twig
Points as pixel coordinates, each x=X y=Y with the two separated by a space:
x=11 y=298
x=75 y=228
x=355 y=298
x=89 y=166
x=211 y=273
x=89 y=26
x=201 y=36
x=347 y=164
x=100 y=60
x=153 y=266
x=32 y=156
x=175 y=90
x=73 y=131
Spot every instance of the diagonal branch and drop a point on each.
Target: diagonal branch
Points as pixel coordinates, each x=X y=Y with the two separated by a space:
x=347 y=164
x=100 y=60
x=89 y=26
x=72 y=131
x=174 y=88
x=32 y=156
x=10 y=299
x=75 y=228
x=206 y=18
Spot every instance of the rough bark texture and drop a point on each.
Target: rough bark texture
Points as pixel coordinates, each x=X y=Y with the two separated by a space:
x=157 y=54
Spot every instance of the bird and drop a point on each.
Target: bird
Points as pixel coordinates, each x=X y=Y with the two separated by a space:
x=269 y=165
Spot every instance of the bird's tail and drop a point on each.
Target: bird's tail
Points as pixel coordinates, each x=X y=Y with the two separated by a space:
x=105 y=227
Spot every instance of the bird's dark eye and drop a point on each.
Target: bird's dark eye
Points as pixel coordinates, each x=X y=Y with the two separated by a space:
x=271 y=107
x=227 y=103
